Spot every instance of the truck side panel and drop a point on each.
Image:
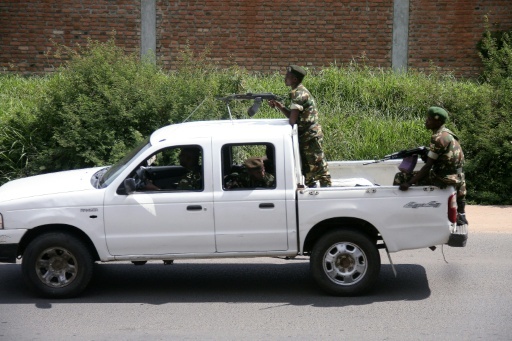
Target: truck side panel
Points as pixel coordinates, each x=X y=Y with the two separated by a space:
x=406 y=220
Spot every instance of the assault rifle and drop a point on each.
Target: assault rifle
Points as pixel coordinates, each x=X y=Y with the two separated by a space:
x=258 y=99
x=420 y=151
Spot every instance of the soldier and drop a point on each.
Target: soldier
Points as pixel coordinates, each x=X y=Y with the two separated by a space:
x=444 y=162
x=303 y=112
x=189 y=158
x=257 y=176
x=253 y=176
x=192 y=180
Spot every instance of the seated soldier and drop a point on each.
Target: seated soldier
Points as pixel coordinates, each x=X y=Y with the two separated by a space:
x=192 y=180
x=257 y=177
x=444 y=162
x=189 y=158
x=252 y=176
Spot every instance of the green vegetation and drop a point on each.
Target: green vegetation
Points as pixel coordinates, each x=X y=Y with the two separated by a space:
x=103 y=101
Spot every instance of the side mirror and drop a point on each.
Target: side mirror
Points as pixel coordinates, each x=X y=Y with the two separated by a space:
x=129 y=185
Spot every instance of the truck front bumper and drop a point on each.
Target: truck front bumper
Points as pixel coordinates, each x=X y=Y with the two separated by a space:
x=8 y=253
x=9 y=241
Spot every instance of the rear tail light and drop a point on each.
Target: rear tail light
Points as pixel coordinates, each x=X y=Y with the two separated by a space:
x=452 y=208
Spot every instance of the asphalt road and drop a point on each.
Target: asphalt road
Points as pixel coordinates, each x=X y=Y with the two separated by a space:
x=468 y=298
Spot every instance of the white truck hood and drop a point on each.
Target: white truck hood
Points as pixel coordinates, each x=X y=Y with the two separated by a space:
x=48 y=184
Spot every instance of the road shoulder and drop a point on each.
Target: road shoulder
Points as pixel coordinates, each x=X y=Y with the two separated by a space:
x=489 y=218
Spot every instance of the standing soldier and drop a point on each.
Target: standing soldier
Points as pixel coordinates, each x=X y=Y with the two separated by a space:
x=444 y=162
x=303 y=112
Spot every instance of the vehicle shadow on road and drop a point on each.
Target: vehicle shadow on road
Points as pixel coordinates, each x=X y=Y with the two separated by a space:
x=154 y=283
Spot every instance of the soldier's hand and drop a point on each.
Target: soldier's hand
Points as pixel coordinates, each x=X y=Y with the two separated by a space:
x=405 y=186
x=274 y=104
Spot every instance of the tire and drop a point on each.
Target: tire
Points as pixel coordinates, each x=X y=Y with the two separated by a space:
x=345 y=263
x=57 y=265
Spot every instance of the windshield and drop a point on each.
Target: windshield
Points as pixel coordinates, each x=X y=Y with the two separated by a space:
x=120 y=166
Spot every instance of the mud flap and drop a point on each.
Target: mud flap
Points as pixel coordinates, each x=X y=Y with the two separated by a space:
x=391 y=262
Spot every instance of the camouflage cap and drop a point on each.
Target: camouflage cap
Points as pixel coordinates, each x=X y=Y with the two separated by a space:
x=255 y=163
x=297 y=71
x=438 y=114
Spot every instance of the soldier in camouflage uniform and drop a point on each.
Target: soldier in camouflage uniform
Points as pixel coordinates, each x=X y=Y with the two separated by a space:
x=303 y=112
x=444 y=162
x=256 y=175
x=192 y=180
x=253 y=176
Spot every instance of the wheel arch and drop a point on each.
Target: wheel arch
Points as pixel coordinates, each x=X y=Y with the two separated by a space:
x=340 y=223
x=33 y=233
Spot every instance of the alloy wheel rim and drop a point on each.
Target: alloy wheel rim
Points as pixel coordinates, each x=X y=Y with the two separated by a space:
x=345 y=263
x=56 y=267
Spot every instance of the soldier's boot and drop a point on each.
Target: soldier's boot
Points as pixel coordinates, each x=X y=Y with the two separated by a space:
x=461 y=219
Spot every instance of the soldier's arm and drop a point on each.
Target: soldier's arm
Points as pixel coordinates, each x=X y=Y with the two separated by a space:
x=293 y=118
x=423 y=172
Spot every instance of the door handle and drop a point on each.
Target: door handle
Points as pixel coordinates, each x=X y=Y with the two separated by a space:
x=194 y=208
x=267 y=205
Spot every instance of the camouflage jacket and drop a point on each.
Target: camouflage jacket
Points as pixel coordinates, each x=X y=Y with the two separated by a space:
x=268 y=181
x=191 y=181
x=302 y=100
x=244 y=180
x=445 y=149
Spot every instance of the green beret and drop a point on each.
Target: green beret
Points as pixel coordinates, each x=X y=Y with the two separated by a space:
x=297 y=71
x=438 y=113
x=255 y=163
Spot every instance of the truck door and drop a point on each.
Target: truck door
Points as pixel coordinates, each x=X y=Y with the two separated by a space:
x=172 y=213
x=250 y=208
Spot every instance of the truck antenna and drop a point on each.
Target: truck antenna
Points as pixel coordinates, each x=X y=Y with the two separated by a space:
x=185 y=120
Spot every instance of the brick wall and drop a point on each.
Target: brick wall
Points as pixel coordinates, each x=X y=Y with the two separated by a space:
x=260 y=35
x=268 y=35
x=446 y=32
x=28 y=27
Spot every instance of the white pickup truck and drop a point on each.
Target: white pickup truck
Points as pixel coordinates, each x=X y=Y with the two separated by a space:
x=60 y=224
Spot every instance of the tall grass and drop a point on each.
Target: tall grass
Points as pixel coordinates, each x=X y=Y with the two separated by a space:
x=20 y=96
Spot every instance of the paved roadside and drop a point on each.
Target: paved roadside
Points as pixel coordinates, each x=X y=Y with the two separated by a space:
x=489 y=218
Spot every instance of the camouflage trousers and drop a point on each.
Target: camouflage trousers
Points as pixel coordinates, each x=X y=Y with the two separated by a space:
x=314 y=166
x=432 y=180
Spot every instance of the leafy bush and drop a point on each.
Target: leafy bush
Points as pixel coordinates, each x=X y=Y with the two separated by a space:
x=495 y=50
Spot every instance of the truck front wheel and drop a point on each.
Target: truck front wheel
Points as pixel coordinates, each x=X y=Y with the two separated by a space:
x=345 y=263
x=57 y=265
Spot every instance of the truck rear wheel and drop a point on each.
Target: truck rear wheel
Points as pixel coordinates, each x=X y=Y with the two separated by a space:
x=345 y=263
x=57 y=265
